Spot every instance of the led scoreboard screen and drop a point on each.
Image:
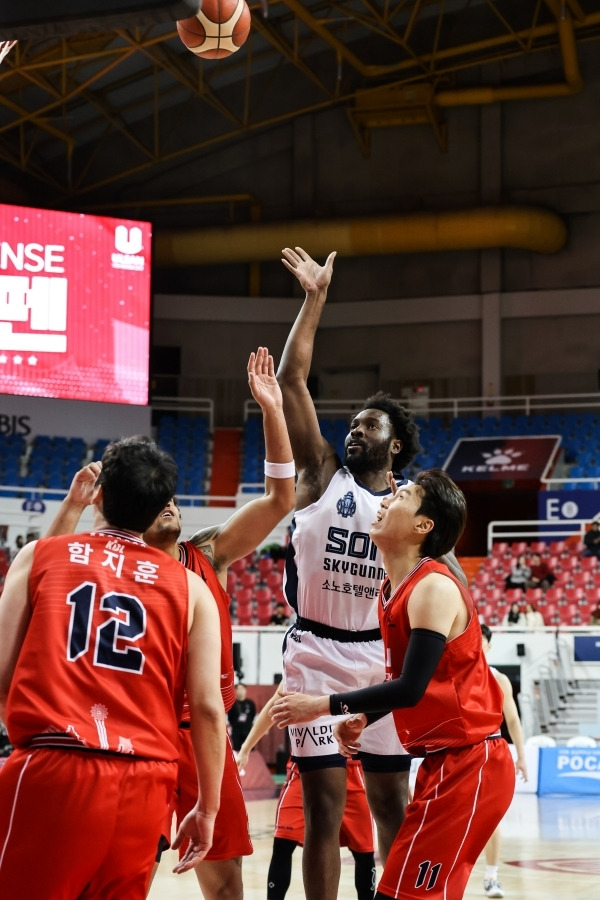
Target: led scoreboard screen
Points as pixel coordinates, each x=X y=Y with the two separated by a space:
x=74 y=305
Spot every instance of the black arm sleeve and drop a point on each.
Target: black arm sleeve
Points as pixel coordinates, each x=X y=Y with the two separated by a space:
x=423 y=654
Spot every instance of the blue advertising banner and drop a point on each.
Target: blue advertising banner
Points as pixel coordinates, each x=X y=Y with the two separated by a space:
x=562 y=506
x=586 y=648
x=569 y=770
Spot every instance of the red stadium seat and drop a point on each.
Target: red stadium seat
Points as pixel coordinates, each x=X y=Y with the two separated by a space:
x=564 y=563
x=554 y=595
x=482 y=580
x=248 y=579
x=495 y=596
x=492 y=564
x=239 y=566
x=557 y=548
x=265 y=565
x=562 y=579
x=499 y=548
x=517 y=548
x=581 y=579
x=232 y=582
x=588 y=563
x=245 y=615
x=244 y=596
x=540 y=547
x=263 y=595
x=274 y=580
x=533 y=595
x=574 y=594
x=513 y=595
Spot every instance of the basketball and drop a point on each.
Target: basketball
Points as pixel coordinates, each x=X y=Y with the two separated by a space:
x=217 y=30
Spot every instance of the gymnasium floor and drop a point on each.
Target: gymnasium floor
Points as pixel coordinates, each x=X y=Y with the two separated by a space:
x=550 y=849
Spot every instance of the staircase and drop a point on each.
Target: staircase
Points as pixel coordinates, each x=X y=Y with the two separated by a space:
x=225 y=474
x=567 y=709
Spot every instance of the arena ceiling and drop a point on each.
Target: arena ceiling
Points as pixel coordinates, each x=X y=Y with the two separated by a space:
x=103 y=120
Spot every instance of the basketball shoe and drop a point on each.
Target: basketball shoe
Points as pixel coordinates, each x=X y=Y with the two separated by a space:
x=491 y=888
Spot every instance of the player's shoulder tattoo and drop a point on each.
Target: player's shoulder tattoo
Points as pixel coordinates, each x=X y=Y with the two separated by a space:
x=204 y=538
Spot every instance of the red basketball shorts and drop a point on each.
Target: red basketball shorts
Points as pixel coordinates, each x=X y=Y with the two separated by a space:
x=460 y=797
x=356 y=831
x=80 y=824
x=231 y=835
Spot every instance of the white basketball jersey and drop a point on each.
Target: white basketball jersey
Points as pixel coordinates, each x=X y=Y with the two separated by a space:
x=333 y=569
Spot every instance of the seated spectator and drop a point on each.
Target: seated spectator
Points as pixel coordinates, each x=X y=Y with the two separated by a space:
x=592 y=541
x=279 y=617
x=513 y=618
x=595 y=615
x=19 y=543
x=532 y=619
x=541 y=574
x=520 y=575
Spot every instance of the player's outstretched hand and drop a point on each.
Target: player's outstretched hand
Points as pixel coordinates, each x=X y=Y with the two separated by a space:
x=348 y=732
x=199 y=828
x=294 y=709
x=262 y=380
x=310 y=274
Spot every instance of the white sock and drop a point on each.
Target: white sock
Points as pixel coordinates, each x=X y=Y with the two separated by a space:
x=491 y=873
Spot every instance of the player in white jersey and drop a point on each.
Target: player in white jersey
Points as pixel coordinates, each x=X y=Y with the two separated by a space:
x=333 y=575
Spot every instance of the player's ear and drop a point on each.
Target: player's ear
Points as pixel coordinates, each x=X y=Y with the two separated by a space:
x=424 y=525
x=98 y=496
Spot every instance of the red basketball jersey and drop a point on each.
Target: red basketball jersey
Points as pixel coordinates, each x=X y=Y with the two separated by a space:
x=463 y=702
x=193 y=558
x=103 y=662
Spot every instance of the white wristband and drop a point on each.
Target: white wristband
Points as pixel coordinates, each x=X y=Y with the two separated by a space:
x=280 y=470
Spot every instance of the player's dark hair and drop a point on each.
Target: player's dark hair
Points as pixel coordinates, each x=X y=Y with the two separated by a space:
x=486 y=632
x=138 y=480
x=444 y=503
x=405 y=428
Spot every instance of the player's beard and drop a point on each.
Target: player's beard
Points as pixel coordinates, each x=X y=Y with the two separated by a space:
x=163 y=533
x=370 y=458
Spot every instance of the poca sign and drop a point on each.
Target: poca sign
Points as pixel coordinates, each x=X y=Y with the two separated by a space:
x=586 y=764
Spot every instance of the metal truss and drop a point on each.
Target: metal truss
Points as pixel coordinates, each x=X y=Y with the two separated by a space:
x=91 y=115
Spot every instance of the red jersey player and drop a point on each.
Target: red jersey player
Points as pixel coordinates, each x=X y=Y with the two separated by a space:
x=100 y=636
x=209 y=553
x=447 y=706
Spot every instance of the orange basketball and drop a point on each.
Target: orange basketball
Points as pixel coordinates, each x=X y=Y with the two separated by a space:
x=218 y=29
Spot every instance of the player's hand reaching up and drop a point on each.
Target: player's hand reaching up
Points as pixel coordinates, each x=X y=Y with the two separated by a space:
x=199 y=828
x=310 y=274
x=83 y=485
x=261 y=378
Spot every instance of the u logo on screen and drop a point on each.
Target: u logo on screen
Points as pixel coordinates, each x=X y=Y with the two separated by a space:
x=128 y=240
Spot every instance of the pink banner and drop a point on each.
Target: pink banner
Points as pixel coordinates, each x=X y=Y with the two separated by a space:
x=74 y=305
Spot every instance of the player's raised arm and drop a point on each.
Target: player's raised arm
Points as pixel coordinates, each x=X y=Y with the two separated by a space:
x=252 y=524
x=207 y=722
x=311 y=451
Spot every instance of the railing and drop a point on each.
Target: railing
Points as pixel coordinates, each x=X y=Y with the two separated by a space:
x=538 y=529
x=187 y=406
x=457 y=406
